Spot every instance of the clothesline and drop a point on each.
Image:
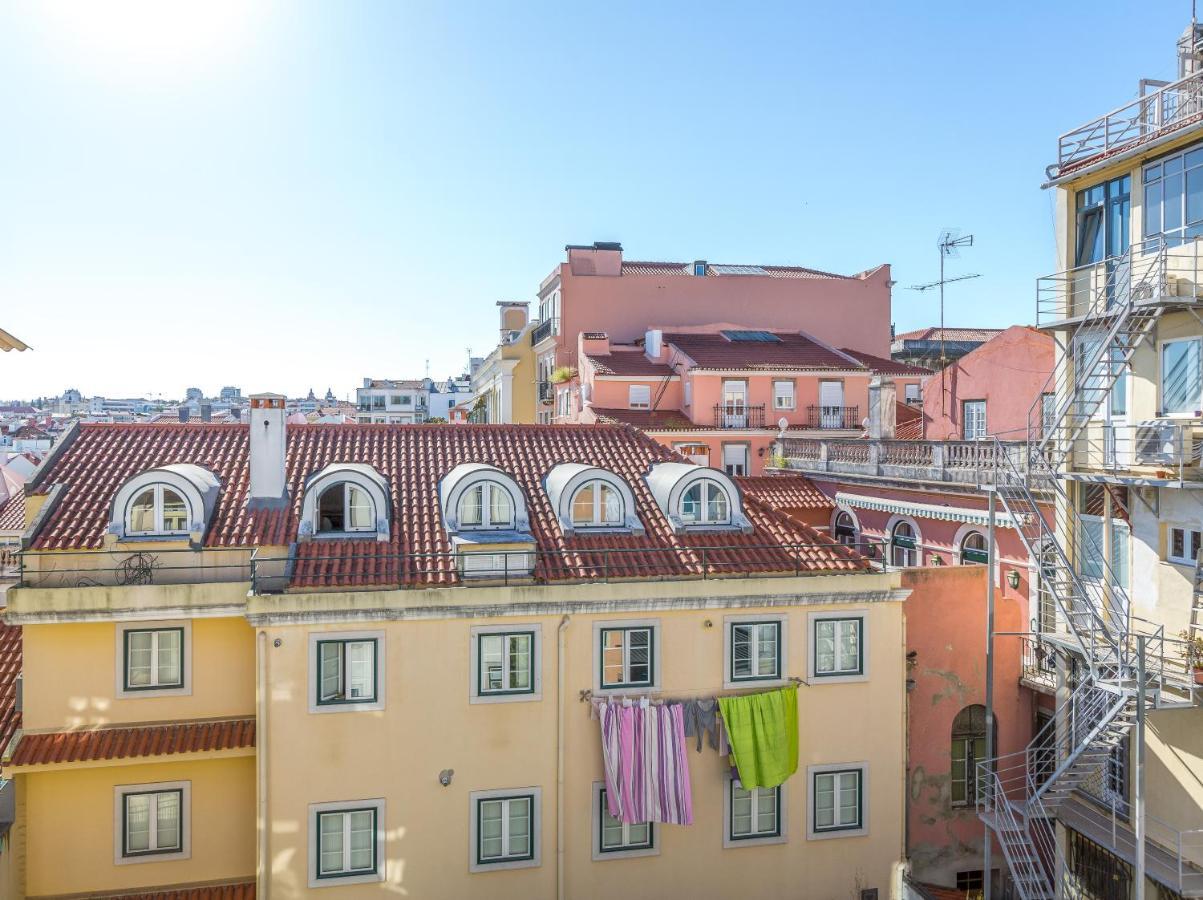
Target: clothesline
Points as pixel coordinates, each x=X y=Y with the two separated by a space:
x=660 y=696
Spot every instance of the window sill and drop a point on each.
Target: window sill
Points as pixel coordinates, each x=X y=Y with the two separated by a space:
x=734 y=843
x=373 y=706
x=515 y=697
x=816 y=679
x=754 y=683
x=136 y=693
x=481 y=867
x=837 y=833
x=152 y=857
x=606 y=855
x=340 y=880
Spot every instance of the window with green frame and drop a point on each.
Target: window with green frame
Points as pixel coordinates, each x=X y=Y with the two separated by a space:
x=838 y=647
x=152 y=823
x=968 y=749
x=153 y=659
x=504 y=828
x=974 y=549
x=838 y=802
x=627 y=657
x=755 y=651
x=346 y=671
x=506 y=663
x=755 y=813
x=615 y=836
x=346 y=843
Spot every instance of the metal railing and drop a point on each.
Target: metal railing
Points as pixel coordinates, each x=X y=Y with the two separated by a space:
x=738 y=415
x=1146 y=118
x=1159 y=448
x=316 y=564
x=544 y=330
x=846 y=418
x=547 y=391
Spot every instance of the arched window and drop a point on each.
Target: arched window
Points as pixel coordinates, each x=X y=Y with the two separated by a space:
x=974 y=550
x=904 y=545
x=968 y=749
x=344 y=507
x=845 y=528
x=705 y=503
x=596 y=504
x=486 y=504
x=158 y=509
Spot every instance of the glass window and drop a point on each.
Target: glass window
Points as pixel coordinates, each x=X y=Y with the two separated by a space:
x=974 y=549
x=973 y=419
x=345 y=507
x=755 y=813
x=486 y=505
x=735 y=459
x=904 y=545
x=506 y=663
x=615 y=836
x=597 y=504
x=911 y=394
x=640 y=396
x=346 y=671
x=1102 y=221
x=346 y=843
x=968 y=749
x=845 y=529
x=837 y=800
x=705 y=503
x=1174 y=197
x=838 y=647
x=1181 y=377
x=627 y=656
x=157 y=510
x=1184 y=545
x=503 y=829
x=154 y=659
x=783 y=395
x=755 y=651
x=152 y=823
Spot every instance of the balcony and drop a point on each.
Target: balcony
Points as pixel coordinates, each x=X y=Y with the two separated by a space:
x=953 y=462
x=1157 y=452
x=544 y=330
x=1146 y=120
x=738 y=415
x=547 y=392
x=833 y=418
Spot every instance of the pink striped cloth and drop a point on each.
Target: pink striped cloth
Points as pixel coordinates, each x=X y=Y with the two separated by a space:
x=647 y=768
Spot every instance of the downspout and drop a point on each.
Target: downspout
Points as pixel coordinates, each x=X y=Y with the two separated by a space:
x=261 y=701
x=560 y=757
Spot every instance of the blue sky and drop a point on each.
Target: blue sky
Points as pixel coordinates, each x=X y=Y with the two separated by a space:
x=281 y=196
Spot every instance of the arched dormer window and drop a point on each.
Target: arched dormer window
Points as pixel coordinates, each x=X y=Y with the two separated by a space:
x=174 y=501
x=844 y=528
x=974 y=550
x=697 y=498
x=904 y=545
x=346 y=500
x=590 y=499
x=480 y=497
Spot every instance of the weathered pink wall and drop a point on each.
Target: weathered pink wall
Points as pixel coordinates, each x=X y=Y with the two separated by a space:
x=1009 y=371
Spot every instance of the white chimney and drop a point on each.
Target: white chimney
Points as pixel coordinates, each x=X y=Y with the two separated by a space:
x=651 y=343
x=268 y=484
x=883 y=409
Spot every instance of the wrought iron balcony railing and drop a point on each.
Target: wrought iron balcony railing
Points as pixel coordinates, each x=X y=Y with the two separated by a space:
x=833 y=418
x=738 y=415
x=544 y=330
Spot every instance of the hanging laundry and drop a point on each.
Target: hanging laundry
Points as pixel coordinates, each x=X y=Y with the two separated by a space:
x=646 y=766
x=701 y=716
x=763 y=731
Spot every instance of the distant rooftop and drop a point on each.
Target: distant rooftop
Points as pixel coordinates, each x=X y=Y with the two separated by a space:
x=716 y=270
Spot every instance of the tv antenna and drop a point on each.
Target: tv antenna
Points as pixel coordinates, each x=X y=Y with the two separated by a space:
x=949 y=245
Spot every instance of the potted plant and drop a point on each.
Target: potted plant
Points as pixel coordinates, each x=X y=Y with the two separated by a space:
x=562 y=374
x=1192 y=654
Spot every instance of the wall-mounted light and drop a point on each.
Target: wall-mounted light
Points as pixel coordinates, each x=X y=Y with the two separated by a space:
x=1013 y=579
x=445 y=777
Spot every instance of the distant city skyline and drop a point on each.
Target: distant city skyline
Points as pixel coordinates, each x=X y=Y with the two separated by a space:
x=301 y=195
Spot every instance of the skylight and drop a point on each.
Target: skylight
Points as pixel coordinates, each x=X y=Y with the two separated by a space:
x=762 y=337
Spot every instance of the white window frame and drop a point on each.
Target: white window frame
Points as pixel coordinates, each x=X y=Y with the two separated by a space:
x=486 y=488
x=315 y=637
x=315 y=811
x=347 y=487
x=121 y=791
x=598 y=520
x=1161 y=345
x=639 y=390
x=706 y=486
x=791 y=401
x=980 y=429
x=158 y=530
x=815 y=834
x=730 y=841
x=536 y=829
x=475 y=694
x=819 y=678
x=183 y=690
x=745 y=463
x=1187 y=533
x=600 y=855
x=598 y=628
x=915 y=553
x=730 y=682
x=915 y=388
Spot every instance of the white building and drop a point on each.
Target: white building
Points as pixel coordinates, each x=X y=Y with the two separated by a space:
x=382 y=400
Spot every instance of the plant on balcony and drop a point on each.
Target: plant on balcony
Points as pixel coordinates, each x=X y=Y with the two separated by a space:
x=776 y=461
x=562 y=374
x=1192 y=653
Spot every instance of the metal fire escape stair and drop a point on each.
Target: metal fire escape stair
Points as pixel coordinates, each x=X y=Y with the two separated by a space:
x=1196 y=606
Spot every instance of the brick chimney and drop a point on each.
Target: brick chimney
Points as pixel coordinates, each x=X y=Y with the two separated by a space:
x=269 y=487
x=883 y=408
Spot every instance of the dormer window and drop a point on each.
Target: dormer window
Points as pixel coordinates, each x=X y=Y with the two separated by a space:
x=486 y=505
x=596 y=504
x=157 y=510
x=344 y=507
x=705 y=503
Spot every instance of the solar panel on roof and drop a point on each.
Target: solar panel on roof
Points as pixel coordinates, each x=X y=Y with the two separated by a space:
x=762 y=337
x=739 y=270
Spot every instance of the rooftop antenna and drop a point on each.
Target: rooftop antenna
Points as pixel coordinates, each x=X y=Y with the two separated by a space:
x=949 y=245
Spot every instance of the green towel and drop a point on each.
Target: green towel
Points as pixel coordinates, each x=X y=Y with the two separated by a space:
x=763 y=732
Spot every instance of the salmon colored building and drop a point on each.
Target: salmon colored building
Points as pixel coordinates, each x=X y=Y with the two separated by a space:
x=720 y=393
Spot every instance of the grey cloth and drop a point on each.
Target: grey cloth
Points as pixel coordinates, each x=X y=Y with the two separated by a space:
x=702 y=716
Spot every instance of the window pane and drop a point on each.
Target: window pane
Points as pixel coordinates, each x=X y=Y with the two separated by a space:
x=490 y=829
x=142 y=511
x=767 y=650
x=1180 y=376
x=492 y=677
x=471 y=507
x=168 y=661
x=519 y=815
x=137 y=823
x=140 y=657
x=361 y=676
x=639 y=835
x=330 y=836
x=359 y=508
x=175 y=511
x=639 y=655
x=825 y=646
x=611 y=506
x=1172 y=209
x=824 y=801
x=331 y=675
x=849 y=646
x=519 y=662
x=582 y=506
x=363 y=837
x=1152 y=210
x=741 y=651
x=500 y=507
x=849 y=799
x=691 y=504
x=716 y=507
x=766 y=810
x=167 y=821
x=741 y=811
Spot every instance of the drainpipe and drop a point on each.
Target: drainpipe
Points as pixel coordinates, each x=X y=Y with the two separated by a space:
x=560 y=757
x=991 y=750
x=261 y=701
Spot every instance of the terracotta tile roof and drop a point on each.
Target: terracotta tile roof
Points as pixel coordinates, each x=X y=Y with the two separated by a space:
x=884 y=366
x=629 y=363
x=10 y=669
x=241 y=891
x=131 y=742
x=792 y=351
x=785 y=491
x=647 y=419
x=716 y=270
x=12 y=513
x=413 y=459
x=950 y=334
x=908 y=423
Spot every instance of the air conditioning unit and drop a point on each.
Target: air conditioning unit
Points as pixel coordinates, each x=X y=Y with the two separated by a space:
x=1157 y=443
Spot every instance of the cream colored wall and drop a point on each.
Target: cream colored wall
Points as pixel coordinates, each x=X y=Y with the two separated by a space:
x=429 y=725
x=70 y=676
x=1174 y=776
x=70 y=827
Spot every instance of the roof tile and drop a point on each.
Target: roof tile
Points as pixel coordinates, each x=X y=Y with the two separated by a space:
x=883 y=366
x=785 y=491
x=132 y=742
x=239 y=891
x=791 y=351
x=12 y=513
x=629 y=363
